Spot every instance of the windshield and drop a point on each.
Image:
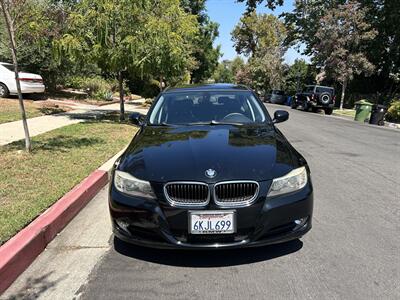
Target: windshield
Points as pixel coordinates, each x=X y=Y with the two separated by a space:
x=207 y=107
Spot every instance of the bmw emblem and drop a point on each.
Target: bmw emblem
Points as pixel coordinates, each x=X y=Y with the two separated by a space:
x=210 y=173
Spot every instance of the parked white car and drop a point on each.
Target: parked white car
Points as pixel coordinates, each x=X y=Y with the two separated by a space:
x=30 y=83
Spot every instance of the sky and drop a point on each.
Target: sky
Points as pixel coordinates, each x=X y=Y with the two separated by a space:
x=227 y=13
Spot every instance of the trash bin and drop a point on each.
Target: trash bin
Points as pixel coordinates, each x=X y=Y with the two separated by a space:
x=363 y=110
x=289 y=101
x=377 y=114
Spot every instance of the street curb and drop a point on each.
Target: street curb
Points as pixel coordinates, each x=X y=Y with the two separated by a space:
x=22 y=249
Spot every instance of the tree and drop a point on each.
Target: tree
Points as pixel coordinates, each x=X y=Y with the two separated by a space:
x=204 y=53
x=252 y=4
x=384 y=50
x=146 y=36
x=39 y=26
x=237 y=64
x=223 y=73
x=170 y=35
x=244 y=76
x=303 y=22
x=298 y=75
x=341 y=35
x=261 y=37
x=11 y=11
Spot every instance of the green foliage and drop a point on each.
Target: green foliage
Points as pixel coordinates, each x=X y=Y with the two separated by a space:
x=170 y=36
x=151 y=88
x=339 y=47
x=146 y=36
x=37 y=23
x=96 y=87
x=204 y=53
x=339 y=40
x=393 y=113
x=261 y=37
x=145 y=86
x=298 y=75
x=223 y=73
x=252 y=4
x=383 y=51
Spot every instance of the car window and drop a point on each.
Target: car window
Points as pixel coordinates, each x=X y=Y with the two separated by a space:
x=309 y=89
x=321 y=89
x=277 y=92
x=195 y=107
x=10 y=67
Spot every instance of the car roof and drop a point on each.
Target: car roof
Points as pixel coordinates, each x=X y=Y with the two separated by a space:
x=324 y=86
x=207 y=87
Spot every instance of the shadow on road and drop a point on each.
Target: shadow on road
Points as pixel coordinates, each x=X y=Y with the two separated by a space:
x=35 y=287
x=207 y=258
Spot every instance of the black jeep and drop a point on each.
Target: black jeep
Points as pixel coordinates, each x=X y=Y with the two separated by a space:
x=314 y=97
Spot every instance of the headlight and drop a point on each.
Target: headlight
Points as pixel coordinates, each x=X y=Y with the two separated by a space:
x=126 y=183
x=291 y=182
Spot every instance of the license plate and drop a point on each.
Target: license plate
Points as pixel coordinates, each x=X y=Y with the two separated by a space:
x=212 y=222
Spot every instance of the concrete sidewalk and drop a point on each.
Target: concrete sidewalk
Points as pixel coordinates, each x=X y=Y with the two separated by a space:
x=13 y=131
x=59 y=272
x=63 y=268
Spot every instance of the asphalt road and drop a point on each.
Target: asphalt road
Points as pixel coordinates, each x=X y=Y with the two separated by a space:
x=352 y=252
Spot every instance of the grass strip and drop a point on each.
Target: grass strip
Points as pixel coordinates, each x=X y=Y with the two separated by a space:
x=30 y=183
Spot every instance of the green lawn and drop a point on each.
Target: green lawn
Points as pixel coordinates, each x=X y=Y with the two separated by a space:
x=30 y=183
x=10 y=111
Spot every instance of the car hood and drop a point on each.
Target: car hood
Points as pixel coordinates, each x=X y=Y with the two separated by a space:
x=162 y=154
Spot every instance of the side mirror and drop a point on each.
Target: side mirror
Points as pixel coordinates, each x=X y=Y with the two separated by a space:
x=280 y=116
x=136 y=119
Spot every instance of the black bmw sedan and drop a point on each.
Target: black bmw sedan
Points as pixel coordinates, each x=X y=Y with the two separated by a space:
x=209 y=169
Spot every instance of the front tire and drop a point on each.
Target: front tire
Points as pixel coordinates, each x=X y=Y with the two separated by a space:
x=4 y=92
x=328 y=111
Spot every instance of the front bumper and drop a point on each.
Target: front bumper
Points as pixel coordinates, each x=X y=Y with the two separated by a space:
x=155 y=224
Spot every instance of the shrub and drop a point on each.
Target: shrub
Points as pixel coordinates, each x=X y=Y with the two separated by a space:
x=393 y=113
x=151 y=88
x=103 y=95
x=75 y=82
x=96 y=85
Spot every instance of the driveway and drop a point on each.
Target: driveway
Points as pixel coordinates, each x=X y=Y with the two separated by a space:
x=352 y=252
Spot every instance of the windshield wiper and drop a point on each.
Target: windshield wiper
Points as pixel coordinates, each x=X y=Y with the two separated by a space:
x=213 y=122
x=162 y=124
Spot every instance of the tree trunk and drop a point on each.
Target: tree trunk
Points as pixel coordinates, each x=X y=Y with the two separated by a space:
x=344 y=85
x=11 y=33
x=161 y=82
x=121 y=96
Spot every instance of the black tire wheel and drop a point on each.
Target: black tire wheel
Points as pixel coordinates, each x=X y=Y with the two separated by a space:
x=314 y=109
x=293 y=105
x=4 y=93
x=325 y=98
x=328 y=111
